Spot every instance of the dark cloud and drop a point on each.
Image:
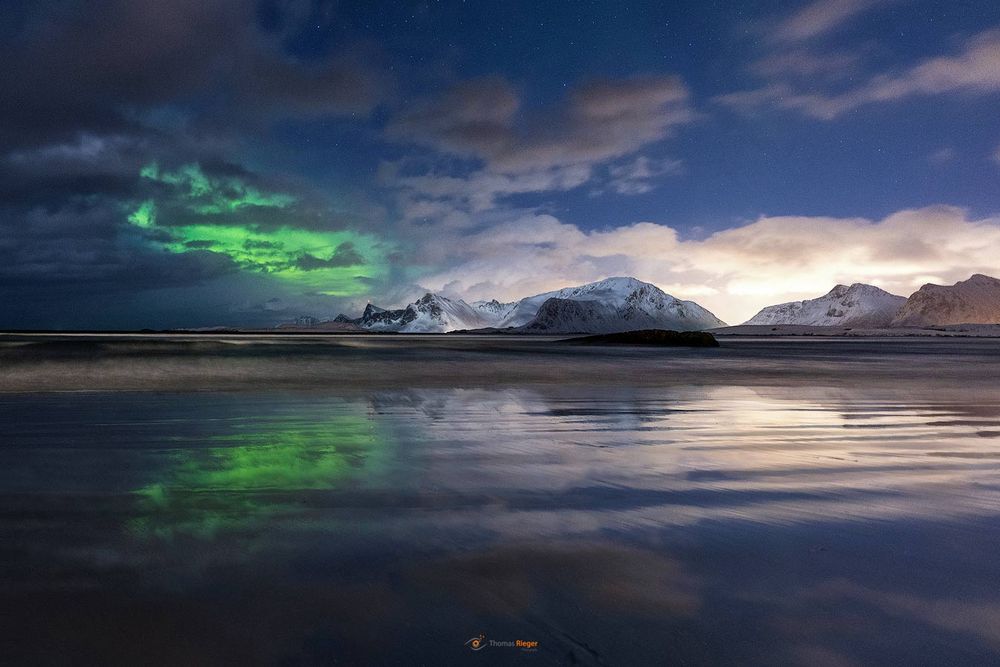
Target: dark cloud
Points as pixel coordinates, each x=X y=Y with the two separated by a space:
x=251 y=244
x=106 y=66
x=280 y=87
x=88 y=164
x=472 y=118
x=79 y=247
x=91 y=66
x=600 y=120
x=344 y=255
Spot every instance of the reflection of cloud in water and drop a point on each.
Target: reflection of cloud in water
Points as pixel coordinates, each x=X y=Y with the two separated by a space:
x=763 y=455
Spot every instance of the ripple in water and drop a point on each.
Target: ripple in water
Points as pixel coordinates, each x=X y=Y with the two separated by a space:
x=735 y=520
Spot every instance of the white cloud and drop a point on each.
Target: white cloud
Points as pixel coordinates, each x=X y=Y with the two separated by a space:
x=479 y=190
x=641 y=174
x=734 y=272
x=821 y=17
x=975 y=69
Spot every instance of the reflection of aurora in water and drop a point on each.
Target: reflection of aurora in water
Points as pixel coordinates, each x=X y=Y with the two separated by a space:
x=242 y=479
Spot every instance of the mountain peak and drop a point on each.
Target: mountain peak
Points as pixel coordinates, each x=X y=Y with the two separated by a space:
x=626 y=282
x=860 y=305
x=837 y=292
x=867 y=289
x=855 y=288
x=972 y=301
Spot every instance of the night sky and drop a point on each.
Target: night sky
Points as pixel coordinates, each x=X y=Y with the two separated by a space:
x=171 y=163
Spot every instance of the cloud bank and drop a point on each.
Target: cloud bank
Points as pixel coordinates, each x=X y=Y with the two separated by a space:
x=734 y=272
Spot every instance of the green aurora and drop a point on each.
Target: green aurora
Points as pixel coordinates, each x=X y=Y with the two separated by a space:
x=223 y=214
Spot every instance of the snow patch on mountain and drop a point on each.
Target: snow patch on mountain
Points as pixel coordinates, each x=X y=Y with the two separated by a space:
x=494 y=310
x=859 y=305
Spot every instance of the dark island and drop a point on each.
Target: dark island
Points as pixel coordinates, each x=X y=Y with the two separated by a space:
x=650 y=337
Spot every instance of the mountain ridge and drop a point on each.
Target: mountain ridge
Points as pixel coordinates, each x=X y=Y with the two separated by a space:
x=605 y=306
x=623 y=303
x=858 y=305
x=972 y=301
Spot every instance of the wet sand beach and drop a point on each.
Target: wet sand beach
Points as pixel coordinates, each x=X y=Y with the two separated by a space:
x=382 y=500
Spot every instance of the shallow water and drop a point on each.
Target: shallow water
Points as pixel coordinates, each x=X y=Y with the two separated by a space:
x=355 y=500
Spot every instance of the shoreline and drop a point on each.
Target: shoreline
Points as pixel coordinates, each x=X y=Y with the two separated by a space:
x=736 y=331
x=801 y=330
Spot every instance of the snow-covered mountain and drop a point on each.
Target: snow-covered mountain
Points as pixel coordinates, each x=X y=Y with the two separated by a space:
x=606 y=306
x=495 y=310
x=859 y=305
x=431 y=313
x=972 y=301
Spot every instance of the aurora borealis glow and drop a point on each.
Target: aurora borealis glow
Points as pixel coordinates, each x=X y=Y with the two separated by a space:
x=221 y=216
